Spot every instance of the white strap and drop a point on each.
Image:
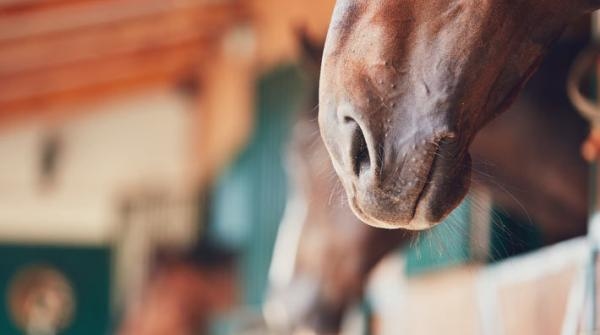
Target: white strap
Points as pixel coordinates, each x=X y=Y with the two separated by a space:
x=574 y=305
x=487 y=299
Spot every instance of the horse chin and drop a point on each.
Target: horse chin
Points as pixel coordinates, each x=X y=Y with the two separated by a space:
x=414 y=224
x=420 y=221
x=383 y=220
x=448 y=185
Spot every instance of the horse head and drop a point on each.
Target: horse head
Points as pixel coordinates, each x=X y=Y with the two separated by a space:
x=406 y=85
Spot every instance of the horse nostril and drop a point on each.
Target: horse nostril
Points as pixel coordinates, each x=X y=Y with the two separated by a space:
x=359 y=151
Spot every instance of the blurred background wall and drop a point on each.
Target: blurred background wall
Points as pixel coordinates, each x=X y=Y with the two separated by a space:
x=145 y=172
x=117 y=119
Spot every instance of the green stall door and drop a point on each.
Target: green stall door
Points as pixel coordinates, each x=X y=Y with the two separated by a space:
x=249 y=199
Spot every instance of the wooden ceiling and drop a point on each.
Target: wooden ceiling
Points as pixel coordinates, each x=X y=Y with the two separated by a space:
x=54 y=51
x=57 y=56
x=59 y=52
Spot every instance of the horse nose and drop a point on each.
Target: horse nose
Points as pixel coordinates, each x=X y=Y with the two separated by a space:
x=360 y=159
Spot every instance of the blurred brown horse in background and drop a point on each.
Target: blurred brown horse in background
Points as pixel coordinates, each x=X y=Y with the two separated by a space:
x=324 y=254
x=406 y=86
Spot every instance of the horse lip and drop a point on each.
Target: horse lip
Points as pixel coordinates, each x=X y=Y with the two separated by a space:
x=410 y=225
x=428 y=182
x=370 y=220
x=458 y=192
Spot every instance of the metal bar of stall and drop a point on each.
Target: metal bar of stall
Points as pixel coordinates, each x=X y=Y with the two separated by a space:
x=590 y=109
x=594 y=220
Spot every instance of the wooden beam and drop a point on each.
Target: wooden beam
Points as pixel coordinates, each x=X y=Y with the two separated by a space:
x=81 y=49
x=12 y=7
x=225 y=114
x=164 y=66
x=84 y=15
x=122 y=38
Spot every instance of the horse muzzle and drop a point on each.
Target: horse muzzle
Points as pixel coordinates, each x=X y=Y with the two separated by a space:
x=410 y=181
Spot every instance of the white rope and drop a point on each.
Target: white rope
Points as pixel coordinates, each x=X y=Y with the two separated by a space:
x=574 y=305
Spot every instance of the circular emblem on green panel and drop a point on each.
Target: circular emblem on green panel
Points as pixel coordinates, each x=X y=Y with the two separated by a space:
x=41 y=300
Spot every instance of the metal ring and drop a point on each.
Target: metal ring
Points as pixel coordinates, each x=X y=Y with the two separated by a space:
x=587 y=107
